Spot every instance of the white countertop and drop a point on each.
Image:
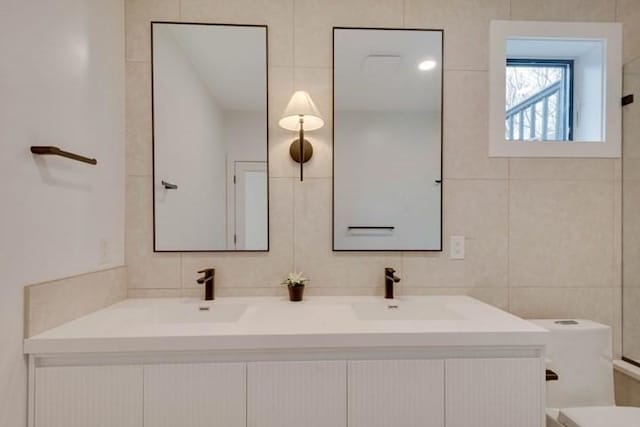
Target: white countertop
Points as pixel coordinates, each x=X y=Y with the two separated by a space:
x=267 y=323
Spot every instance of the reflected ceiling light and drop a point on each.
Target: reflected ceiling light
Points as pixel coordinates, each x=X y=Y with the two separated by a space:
x=427 y=65
x=301 y=114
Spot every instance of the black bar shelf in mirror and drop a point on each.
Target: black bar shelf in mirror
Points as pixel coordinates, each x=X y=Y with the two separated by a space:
x=377 y=227
x=387 y=139
x=210 y=137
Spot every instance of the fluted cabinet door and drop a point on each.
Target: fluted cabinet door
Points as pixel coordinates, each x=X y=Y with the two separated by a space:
x=297 y=394
x=495 y=392
x=387 y=393
x=195 y=395
x=88 y=396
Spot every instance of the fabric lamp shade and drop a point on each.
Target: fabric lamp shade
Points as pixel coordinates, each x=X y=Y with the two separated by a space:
x=301 y=106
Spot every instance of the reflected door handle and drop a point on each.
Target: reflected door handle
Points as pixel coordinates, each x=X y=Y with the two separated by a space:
x=169 y=186
x=438 y=181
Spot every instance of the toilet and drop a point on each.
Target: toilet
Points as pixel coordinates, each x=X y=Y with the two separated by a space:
x=579 y=352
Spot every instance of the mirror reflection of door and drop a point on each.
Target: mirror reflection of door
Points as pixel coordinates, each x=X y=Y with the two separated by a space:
x=250 y=227
x=209 y=117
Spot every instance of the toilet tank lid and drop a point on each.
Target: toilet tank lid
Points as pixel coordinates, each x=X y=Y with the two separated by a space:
x=600 y=416
x=568 y=324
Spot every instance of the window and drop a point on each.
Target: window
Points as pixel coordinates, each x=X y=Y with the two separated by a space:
x=539 y=100
x=555 y=89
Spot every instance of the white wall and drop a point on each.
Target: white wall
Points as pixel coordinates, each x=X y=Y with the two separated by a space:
x=190 y=153
x=374 y=151
x=61 y=83
x=589 y=96
x=245 y=133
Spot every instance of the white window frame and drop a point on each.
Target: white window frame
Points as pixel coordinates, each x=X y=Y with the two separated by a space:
x=610 y=34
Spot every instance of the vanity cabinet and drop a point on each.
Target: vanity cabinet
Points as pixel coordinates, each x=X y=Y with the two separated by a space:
x=352 y=392
x=195 y=395
x=438 y=361
x=294 y=394
x=494 y=392
x=81 y=396
x=407 y=393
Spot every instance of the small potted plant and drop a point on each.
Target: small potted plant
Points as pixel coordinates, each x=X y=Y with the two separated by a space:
x=295 y=282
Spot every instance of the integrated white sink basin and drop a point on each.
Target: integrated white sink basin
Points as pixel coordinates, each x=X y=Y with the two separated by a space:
x=403 y=310
x=198 y=312
x=274 y=323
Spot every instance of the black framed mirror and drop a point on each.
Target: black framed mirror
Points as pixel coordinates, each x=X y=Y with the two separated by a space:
x=210 y=137
x=387 y=139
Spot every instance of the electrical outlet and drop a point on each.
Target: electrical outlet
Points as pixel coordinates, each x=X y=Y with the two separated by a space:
x=456 y=247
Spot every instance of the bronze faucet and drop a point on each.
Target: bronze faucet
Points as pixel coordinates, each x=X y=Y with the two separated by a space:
x=207 y=279
x=389 y=279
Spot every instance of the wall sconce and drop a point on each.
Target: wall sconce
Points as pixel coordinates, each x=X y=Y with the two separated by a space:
x=301 y=114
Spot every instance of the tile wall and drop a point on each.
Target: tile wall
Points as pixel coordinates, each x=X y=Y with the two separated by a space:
x=51 y=304
x=542 y=235
x=631 y=216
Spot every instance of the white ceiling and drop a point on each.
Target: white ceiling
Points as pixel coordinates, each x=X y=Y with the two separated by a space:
x=377 y=70
x=231 y=60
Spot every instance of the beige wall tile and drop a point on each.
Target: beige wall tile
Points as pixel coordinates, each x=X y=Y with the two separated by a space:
x=617 y=269
x=269 y=291
x=253 y=269
x=630 y=167
x=152 y=270
x=139 y=208
x=617 y=232
x=631 y=236
x=551 y=303
x=146 y=269
x=312 y=290
x=632 y=67
x=193 y=293
x=314 y=20
x=477 y=210
x=631 y=204
x=153 y=293
x=631 y=125
x=466 y=133
x=138 y=17
x=277 y=14
x=561 y=233
x=561 y=169
x=51 y=304
x=627 y=390
x=466 y=25
x=138 y=118
x=630 y=240
x=628 y=12
x=497 y=297
x=631 y=325
x=564 y=10
x=616 y=325
x=617 y=169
